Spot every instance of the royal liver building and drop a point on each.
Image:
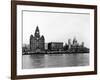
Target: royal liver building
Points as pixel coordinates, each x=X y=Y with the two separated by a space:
x=37 y=42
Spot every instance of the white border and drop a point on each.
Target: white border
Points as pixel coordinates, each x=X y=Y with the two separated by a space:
x=21 y=71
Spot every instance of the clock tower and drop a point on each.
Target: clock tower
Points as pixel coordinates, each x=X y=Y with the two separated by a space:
x=37 y=42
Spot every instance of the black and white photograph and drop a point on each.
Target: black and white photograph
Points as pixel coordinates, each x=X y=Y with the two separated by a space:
x=53 y=39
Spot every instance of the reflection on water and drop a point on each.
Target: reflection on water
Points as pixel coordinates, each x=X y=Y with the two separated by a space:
x=54 y=60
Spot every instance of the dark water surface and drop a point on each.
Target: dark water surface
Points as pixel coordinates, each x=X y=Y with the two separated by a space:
x=54 y=60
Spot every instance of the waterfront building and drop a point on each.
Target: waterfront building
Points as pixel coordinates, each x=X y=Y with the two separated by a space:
x=55 y=46
x=37 y=42
x=69 y=43
x=82 y=44
x=38 y=45
x=25 y=48
x=66 y=47
x=74 y=42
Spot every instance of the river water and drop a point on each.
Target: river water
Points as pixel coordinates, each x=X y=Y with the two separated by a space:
x=54 y=60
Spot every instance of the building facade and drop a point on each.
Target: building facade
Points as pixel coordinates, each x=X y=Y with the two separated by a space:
x=37 y=42
x=55 y=46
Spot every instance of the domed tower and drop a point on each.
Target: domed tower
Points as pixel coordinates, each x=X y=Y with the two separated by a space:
x=37 y=33
x=31 y=42
x=42 y=42
x=74 y=41
x=42 y=37
x=69 y=43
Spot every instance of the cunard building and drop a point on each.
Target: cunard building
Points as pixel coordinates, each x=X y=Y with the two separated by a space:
x=37 y=42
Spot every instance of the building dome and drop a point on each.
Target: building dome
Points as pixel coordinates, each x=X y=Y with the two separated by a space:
x=31 y=36
x=42 y=37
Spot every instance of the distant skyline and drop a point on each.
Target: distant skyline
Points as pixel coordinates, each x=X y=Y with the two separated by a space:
x=57 y=27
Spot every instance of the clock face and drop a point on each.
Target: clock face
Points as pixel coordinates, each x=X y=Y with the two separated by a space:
x=37 y=32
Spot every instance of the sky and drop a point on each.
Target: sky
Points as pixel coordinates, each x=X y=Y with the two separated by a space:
x=56 y=26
